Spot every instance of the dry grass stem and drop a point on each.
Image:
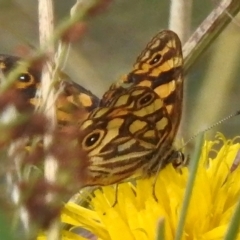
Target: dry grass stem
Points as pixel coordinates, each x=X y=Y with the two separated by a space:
x=209 y=29
x=180 y=18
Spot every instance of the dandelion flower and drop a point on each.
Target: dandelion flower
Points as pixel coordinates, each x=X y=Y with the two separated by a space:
x=137 y=214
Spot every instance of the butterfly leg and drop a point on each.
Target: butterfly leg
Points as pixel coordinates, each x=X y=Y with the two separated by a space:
x=116 y=196
x=155 y=181
x=153 y=189
x=177 y=159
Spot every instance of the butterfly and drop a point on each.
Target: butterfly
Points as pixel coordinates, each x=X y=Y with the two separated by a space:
x=129 y=131
x=132 y=132
x=73 y=101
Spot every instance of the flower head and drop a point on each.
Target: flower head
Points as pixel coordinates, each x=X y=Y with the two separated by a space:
x=136 y=214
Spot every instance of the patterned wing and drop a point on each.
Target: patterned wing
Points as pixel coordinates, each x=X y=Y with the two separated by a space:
x=74 y=103
x=138 y=118
x=121 y=139
x=27 y=82
x=159 y=67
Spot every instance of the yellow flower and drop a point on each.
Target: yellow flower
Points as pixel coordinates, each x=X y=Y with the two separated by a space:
x=137 y=214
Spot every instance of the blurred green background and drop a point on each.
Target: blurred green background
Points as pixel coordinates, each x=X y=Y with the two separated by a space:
x=116 y=37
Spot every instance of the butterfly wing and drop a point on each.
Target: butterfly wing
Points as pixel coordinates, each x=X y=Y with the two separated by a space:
x=73 y=103
x=159 y=67
x=120 y=139
x=27 y=82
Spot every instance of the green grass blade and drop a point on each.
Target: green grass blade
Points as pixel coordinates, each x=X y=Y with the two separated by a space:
x=234 y=226
x=160 y=230
x=193 y=170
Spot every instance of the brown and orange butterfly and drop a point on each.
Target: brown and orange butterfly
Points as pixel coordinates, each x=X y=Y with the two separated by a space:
x=130 y=131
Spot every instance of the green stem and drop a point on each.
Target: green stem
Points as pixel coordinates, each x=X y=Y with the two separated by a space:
x=189 y=188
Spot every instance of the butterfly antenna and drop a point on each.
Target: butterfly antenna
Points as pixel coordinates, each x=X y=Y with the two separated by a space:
x=214 y=125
